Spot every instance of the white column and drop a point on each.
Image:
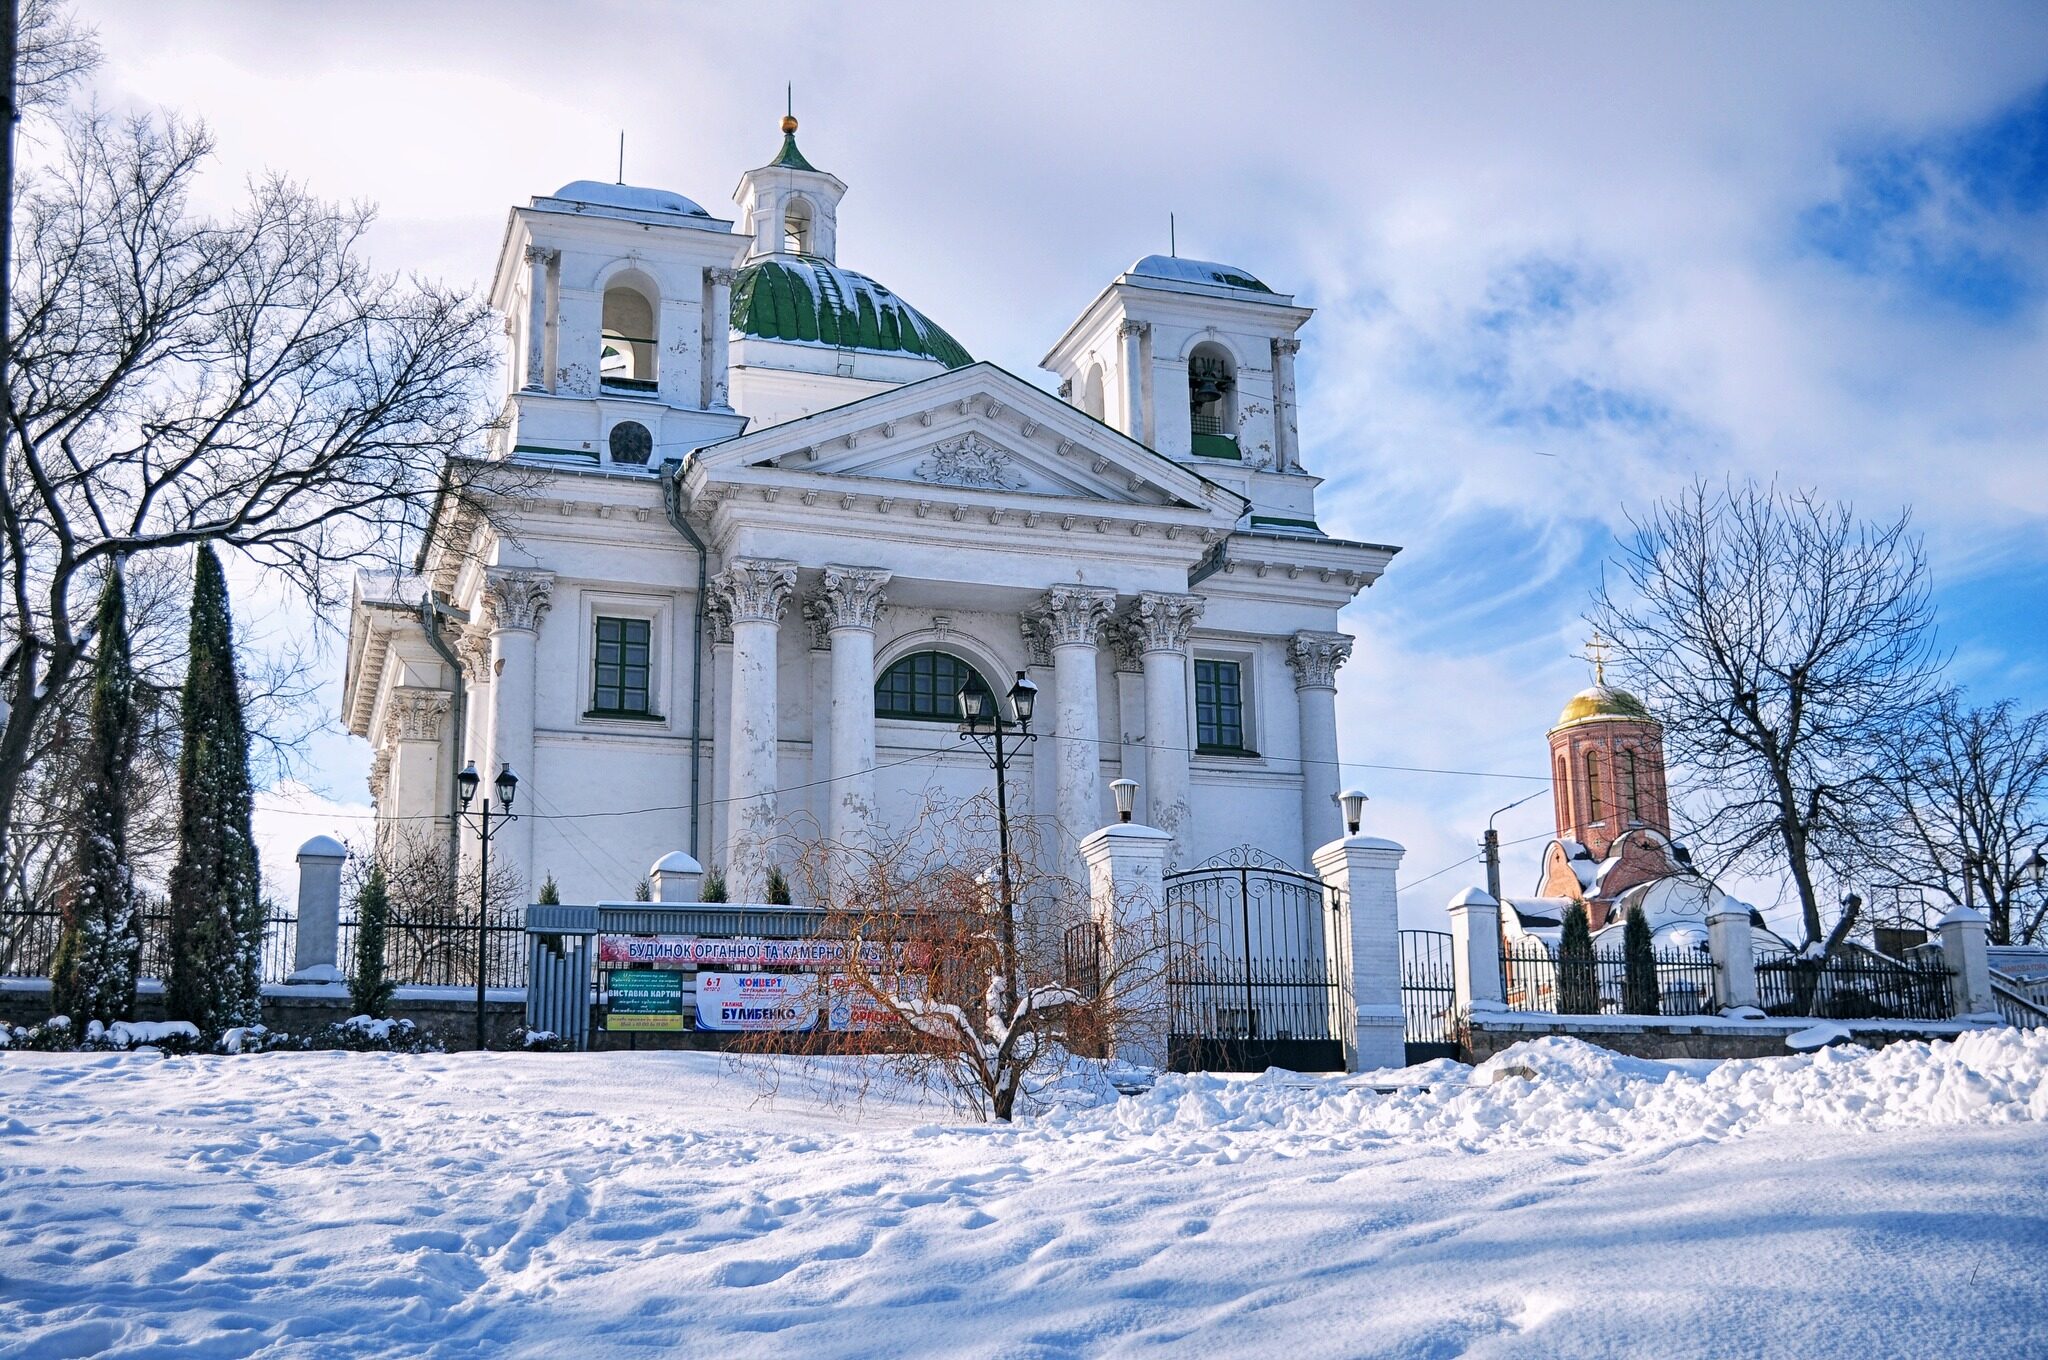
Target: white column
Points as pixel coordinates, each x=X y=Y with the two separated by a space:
x=718 y=623
x=1073 y=617
x=1475 y=952
x=1966 y=949
x=319 y=926
x=1163 y=622
x=757 y=591
x=515 y=602
x=1132 y=334
x=1038 y=665
x=1315 y=658
x=537 y=261
x=818 y=630
x=473 y=649
x=1734 y=953
x=414 y=719
x=718 y=329
x=853 y=597
x=1126 y=867
x=1286 y=437
x=1364 y=935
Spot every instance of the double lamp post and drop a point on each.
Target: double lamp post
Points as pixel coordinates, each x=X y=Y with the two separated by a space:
x=507 y=784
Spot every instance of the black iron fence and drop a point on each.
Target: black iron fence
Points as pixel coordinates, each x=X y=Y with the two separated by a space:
x=1679 y=982
x=1429 y=995
x=1854 y=984
x=28 y=943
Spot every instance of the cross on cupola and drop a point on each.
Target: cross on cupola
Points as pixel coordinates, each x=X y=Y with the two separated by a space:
x=790 y=206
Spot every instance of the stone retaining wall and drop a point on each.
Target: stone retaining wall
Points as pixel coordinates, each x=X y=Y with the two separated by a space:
x=1705 y=1037
x=447 y=1012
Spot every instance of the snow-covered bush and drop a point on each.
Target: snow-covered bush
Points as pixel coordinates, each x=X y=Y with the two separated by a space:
x=362 y=1034
x=539 y=1040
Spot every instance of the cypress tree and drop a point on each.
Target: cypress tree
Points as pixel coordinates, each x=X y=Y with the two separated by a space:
x=1639 y=966
x=550 y=895
x=99 y=952
x=370 y=990
x=216 y=902
x=1577 y=991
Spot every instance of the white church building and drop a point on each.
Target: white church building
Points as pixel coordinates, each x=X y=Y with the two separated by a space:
x=773 y=518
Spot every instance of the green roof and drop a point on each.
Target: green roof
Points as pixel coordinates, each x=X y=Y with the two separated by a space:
x=807 y=300
x=792 y=157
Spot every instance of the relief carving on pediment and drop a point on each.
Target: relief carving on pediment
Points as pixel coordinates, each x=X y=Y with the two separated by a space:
x=970 y=460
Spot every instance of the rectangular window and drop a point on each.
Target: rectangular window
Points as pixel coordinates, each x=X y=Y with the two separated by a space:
x=621 y=665
x=1219 y=706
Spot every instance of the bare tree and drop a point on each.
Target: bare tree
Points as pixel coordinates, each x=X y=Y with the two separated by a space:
x=1969 y=795
x=431 y=935
x=175 y=379
x=1783 y=643
x=931 y=987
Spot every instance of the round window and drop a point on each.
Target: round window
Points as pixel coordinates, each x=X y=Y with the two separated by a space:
x=631 y=443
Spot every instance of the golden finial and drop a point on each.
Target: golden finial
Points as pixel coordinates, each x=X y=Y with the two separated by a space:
x=1596 y=652
x=789 y=109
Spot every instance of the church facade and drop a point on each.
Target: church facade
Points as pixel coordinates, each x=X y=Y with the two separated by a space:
x=773 y=518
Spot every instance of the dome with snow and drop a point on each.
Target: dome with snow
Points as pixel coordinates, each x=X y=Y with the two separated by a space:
x=1177 y=270
x=809 y=300
x=1603 y=701
x=597 y=194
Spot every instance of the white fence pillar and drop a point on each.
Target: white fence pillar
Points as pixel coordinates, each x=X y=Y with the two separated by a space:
x=1127 y=894
x=1475 y=952
x=314 y=953
x=1965 y=946
x=1360 y=871
x=676 y=877
x=1734 y=951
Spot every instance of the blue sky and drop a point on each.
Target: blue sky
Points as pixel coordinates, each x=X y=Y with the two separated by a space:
x=1564 y=258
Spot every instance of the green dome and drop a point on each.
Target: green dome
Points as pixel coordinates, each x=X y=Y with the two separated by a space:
x=810 y=301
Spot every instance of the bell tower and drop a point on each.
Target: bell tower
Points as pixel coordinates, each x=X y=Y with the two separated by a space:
x=789 y=206
x=1607 y=765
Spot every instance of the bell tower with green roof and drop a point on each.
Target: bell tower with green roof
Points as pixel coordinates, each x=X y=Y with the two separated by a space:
x=789 y=206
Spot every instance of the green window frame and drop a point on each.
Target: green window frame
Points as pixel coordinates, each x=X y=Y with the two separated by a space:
x=1219 y=707
x=621 y=667
x=925 y=687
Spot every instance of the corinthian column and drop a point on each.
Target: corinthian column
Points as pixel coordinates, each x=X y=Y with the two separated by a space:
x=853 y=598
x=756 y=591
x=1286 y=438
x=1315 y=658
x=1072 y=617
x=1161 y=624
x=718 y=330
x=515 y=602
x=537 y=261
x=1132 y=333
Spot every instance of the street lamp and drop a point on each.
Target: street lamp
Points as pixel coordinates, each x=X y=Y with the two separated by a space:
x=2036 y=869
x=981 y=720
x=1125 y=791
x=507 y=787
x=1353 y=803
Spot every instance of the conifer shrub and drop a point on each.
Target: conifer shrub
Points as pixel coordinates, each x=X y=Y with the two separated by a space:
x=371 y=989
x=714 y=888
x=550 y=895
x=778 y=887
x=99 y=950
x=643 y=891
x=1639 y=966
x=1578 y=991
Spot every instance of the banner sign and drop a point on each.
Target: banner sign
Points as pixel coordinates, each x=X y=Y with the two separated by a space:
x=645 y=1002
x=852 y=1010
x=689 y=951
x=756 y=1001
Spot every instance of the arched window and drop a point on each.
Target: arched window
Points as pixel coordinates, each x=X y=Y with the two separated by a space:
x=1212 y=411
x=1091 y=392
x=626 y=361
x=631 y=443
x=925 y=686
x=1630 y=785
x=1562 y=794
x=796 y=225
x=1592 y=786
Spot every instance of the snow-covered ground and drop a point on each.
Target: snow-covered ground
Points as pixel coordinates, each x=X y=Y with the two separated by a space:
x=1841 y=1203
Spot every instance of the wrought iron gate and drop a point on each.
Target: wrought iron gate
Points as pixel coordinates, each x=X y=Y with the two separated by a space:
x=1259 y=970
x=1429 y=995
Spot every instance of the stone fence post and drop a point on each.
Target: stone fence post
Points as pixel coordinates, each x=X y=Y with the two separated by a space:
x=1734 y=954
x=676 y=877
x=1127 y=896
x=1359 y=872
x=1966 y=948
x=315 y=952
x=1475 y=952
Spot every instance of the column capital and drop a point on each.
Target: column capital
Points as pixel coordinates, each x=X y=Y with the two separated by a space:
x=720 y=277
x=718 y=616
x=1288 y=346
x=1128 y=329
x=542 y=255
x=516 y=598
x=1126 y=645
x=1073 y=616
x=380 y=775
x=472 y=646
x=853 y=597
x=756 y=589
x=1037 y=640
x=817 y=612
x=1161 y=621
x=1315 y=658
x=415 y=713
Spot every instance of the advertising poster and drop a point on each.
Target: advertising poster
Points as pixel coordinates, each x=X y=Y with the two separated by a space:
x=690 y=951
x=851 y=1010
x=645 y=1002
x=757 y=1001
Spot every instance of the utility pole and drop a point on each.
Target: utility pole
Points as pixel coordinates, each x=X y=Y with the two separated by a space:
x=1489 y=849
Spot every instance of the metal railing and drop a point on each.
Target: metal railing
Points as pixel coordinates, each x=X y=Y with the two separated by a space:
x=438 y=948
x=1852 y=985
x=2017 y=1010
x=28 y=943
x=1681 y=982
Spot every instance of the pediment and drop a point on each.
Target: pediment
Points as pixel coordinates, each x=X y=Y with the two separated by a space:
x=979 y=430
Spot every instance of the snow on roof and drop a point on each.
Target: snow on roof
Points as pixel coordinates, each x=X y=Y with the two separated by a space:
x=1197 y=271
x=1539 y=911
x=389 y=587
x=629 y=196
